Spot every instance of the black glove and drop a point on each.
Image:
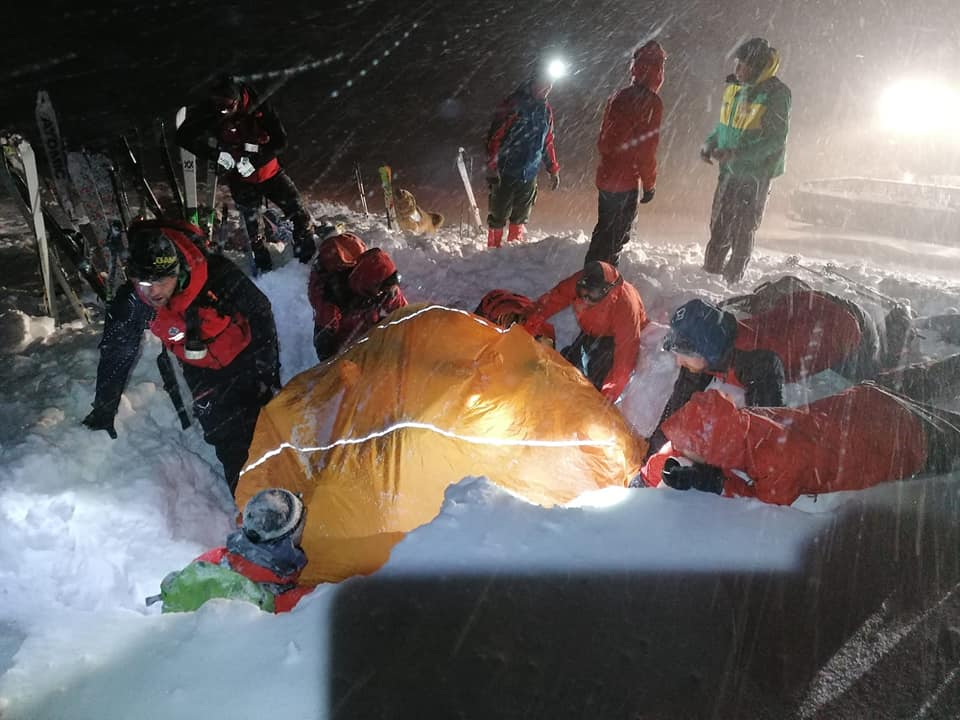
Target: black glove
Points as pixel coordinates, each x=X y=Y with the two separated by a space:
x=99 y=420
x=307 y=248
x=647 y=196
x=493 y=182
x=704 y=478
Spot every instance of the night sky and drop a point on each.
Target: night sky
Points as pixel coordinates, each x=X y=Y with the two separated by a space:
x=409 y=83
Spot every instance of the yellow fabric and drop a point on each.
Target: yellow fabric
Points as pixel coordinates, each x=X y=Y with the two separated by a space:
x=430 y=396
x=749 y=116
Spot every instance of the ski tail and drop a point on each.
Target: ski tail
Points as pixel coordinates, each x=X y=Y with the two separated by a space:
x=471 y=198
x=188 y=163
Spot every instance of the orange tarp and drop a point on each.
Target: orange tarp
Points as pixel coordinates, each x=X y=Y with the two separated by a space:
x=373 y=438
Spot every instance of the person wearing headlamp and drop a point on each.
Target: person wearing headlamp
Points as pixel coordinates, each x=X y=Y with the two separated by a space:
x=610 y=315
x=209 y=315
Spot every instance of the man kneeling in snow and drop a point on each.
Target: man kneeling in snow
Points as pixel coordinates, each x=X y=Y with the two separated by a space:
x=611 y=316
x=863 y=436
x=261 y=562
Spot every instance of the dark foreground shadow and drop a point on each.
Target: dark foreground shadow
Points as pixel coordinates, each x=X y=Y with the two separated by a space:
x=645 y=644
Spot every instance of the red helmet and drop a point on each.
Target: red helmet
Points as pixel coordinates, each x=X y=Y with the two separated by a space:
x=374 y=270
x=504 y=307
x=341 y=251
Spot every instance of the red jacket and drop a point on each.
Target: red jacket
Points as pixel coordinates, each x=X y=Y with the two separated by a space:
x=225 y=336
x=809 y=332
x=284 y=601
x=630 y=134
x=620 y=315
x=853 y=440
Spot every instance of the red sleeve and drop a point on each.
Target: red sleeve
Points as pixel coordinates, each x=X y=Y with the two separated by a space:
x=549 y=151
x=629 y=319
x=504 y=116
x=552 y=302
x=212 y=556
x=651 y=117
x=711 y=429
x=315 y=290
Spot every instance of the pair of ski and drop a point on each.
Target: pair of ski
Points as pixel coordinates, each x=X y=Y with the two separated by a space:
x=386 y=182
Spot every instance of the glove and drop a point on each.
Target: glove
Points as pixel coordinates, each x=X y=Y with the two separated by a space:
x=555 y=181
x=226 y=161
x=98 y=420
x=696 y=476
x=307 y=248
x=493 y=182
x=706 y=153
x=245 y=167
x=534 y=324
x=647 y=196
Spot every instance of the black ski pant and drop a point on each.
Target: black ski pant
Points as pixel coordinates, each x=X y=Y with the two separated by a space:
x=511 y=200
x=592 y=356
x=228 y=412
x=279 y=190
x=615 y=214
x=738 y=205
x=943 y=440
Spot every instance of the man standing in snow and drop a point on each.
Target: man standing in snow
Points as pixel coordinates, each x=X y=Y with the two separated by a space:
x=207 y=313
x=749 y=142
x=244 y=136
x=519 y=140
x=611 y=316
x=628 y=153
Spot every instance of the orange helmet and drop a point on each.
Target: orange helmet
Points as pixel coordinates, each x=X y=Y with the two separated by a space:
x=504 y=307
x=372 y=272
x=339 y=252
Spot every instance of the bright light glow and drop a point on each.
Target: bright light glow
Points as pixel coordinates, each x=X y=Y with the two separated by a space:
x=601 y=499
x=556 y=69
x=919 y=107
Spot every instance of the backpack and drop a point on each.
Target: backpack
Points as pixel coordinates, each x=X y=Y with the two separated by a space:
x=186 y=590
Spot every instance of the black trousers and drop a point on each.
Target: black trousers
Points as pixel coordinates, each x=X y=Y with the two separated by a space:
x=592 y=356
x=279 y=190
x=511 y=200
x=738 y=205
x=228 y=414
x=615 y=214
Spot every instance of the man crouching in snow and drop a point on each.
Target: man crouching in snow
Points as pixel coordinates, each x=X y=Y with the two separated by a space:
x=611 y=316
x=207 y=313
x=260 y=563
x=863 y=436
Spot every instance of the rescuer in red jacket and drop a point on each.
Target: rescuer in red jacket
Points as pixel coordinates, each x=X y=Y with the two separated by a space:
x=209 y=315
x=628 y=153
x=611 y=316
x=861 y=437
x=800 y=335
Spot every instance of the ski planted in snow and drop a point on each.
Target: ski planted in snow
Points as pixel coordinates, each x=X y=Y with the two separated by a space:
x=63 y=185
x=386 y=181
x=363 y=194
x=188 y=163
x=462 y=167
x=20 y=175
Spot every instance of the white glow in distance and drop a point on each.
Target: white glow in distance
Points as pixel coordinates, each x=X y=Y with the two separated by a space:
x=919 y=107
x=556 y=69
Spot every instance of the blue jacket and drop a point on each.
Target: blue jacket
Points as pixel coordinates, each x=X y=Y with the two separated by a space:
x=521 y=137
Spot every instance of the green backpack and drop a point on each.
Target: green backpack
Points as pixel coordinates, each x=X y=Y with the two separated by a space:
x=186 y=590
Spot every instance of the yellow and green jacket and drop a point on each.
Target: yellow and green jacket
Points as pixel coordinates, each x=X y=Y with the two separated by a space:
x=754 y=121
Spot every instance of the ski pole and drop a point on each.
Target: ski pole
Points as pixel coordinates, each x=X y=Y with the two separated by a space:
x=169 y=377
x=830 y=269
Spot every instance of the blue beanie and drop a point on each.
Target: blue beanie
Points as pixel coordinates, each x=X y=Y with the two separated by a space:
x=703 y=329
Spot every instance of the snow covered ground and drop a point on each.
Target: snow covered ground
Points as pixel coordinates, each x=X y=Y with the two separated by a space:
x=89 y=526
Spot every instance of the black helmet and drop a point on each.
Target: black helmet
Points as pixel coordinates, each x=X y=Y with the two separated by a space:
x=152 y=254
x=272 y=514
